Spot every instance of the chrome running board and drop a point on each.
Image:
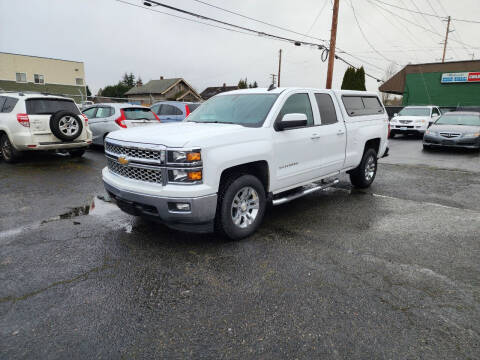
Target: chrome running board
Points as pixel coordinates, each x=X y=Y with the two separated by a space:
x=305 y=190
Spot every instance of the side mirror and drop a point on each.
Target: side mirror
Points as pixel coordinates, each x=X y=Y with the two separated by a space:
x=291 y=121
x=395 y=115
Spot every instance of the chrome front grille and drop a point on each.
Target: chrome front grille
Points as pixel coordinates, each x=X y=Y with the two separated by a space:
x=150 y=175
x=449 y=135
x=405 y=121
x=135 y=153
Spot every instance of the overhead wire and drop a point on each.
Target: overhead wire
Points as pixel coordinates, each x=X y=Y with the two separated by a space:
x=245 y=30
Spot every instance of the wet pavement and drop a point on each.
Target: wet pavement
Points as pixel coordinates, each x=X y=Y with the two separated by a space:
x=391 y=272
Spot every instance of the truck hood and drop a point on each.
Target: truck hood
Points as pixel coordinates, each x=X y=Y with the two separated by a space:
x=177 y=134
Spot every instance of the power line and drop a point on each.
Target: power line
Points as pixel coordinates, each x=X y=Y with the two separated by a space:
x=318 y=15
x=257 y=20
x=425 y=13
x=246 y=31
x=365 y=37
x=415 y=24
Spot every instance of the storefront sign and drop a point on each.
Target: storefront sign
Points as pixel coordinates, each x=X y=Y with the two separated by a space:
x=462 y=77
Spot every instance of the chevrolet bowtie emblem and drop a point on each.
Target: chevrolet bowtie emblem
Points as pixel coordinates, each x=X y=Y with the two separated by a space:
x=123 y=160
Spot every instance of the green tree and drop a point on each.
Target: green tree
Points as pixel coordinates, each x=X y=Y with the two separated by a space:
x=354 y=79
x=119 y=90
x=255 y=85
x=242 y=84
x=360 y=79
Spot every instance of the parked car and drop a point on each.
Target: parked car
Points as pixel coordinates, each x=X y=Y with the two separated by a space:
x=413 y=120
x=217 y=169
x=35 y=122
x=455 y=129
x=105 y=118
x=169 y=111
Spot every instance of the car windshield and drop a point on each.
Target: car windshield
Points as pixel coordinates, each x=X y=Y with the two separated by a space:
x=414 y=112
x=139 y=114
x=454 y=119
x=242 y=109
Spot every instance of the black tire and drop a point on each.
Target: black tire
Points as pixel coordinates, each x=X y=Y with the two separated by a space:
x=76 y=153
x=231 y=187
x=392 y=134
x=8 y=152
x=427 y=147
x=65 y=125
x=360 y=177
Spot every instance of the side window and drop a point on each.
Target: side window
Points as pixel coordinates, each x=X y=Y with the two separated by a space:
x=298 y=104
x=372 y=105
x=155 y=108
x=9 y=104
x=2 y=101
x=90 y=112
x=103 y=112
x=326 y=108
x=170 y=110
x=353 y=105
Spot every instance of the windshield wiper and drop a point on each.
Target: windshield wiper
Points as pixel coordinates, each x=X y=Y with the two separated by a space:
x=214 y=122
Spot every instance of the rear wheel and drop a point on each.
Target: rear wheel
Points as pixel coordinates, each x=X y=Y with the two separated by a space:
x=241 y=206
x=8 y=152
x=363 y=176
x=77 y=153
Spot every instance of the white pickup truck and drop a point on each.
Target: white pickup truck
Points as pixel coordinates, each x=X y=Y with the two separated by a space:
x=218 y=169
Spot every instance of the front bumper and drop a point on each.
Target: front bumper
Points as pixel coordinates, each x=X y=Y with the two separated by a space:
x=198 y=219
x=439 y=141
x=410 y=129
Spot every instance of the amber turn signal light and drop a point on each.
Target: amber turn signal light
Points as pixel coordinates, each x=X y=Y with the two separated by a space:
x=195 y=175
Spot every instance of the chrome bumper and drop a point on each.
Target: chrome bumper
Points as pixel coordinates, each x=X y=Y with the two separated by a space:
x=198 y=219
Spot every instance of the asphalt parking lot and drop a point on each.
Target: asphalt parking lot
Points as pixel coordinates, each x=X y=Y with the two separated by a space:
x=392 y=272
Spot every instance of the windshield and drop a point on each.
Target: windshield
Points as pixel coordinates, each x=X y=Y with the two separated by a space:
x=243 y=109
x=465 y=119
x=139 y=114
x=414 y=112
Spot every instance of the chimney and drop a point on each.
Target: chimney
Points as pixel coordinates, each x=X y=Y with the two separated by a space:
x=161 y=77
x=224 y=85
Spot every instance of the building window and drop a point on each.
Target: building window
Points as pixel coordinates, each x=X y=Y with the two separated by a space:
x=21 y=77
x=79 y=81
x=38 y=79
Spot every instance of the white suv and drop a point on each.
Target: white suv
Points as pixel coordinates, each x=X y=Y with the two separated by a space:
x=33 y=121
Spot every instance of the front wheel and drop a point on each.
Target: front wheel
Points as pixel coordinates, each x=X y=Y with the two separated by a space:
x=8 y=152
x=362 y=176
x=241 y=207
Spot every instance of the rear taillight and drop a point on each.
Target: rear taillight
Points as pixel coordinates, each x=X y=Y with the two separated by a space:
x=389 y=129
x=23 y=120
x=120 y=120
x=86 y=119
x=156 y=117
x=187 y=110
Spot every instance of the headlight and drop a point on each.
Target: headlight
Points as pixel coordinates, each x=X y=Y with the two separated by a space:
x=471 y=135
x=420 y=121
x=184 y=157
x=430 y=132
x=187 y=176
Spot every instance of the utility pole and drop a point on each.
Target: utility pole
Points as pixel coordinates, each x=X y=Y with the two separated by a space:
x=446 y=40
x=279 y=66
x=273 y=78
x=333 y=40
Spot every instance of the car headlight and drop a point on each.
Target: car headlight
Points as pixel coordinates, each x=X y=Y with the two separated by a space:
x=185 y=176
x=430 y=132
x=184 y=157
x=471 y=135
x=420 y=121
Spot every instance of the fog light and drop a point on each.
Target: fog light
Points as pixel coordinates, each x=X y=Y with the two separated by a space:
x=184 y=207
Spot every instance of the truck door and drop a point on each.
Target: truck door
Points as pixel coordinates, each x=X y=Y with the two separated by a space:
x=331 y=137
x=294 y=160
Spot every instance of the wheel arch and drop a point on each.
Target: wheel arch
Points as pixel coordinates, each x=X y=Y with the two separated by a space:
x=258 y=169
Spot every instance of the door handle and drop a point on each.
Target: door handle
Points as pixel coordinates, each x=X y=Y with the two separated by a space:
x=340 y=132
x=315 y=137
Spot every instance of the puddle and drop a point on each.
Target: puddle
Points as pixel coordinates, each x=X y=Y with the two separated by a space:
x=99 y=206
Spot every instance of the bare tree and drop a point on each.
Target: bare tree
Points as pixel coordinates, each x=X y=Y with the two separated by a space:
x=389 y=72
